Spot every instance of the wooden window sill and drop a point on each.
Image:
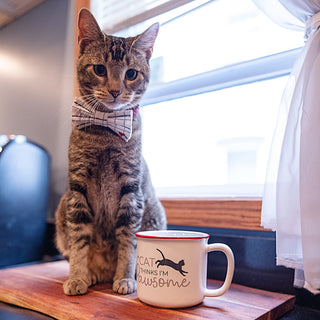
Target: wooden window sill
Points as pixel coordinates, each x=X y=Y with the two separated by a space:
x=214 y=212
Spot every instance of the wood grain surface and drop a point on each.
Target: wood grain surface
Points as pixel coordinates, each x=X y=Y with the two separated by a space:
x=39 y=288
x=216 y=213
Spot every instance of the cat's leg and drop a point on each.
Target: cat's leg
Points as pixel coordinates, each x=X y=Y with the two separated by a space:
x=154 y=217
x=79 y=224
x=61 y=232
x=128 y=223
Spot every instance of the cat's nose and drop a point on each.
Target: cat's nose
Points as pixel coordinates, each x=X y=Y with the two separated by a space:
x=115 y=93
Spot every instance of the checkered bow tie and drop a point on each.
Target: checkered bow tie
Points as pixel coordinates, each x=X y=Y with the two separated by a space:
x=118 y=121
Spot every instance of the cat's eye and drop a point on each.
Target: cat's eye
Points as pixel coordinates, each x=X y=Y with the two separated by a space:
x=100 y=70
x=131 y=74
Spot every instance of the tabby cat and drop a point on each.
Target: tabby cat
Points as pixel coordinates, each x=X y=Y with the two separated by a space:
x=109 y=196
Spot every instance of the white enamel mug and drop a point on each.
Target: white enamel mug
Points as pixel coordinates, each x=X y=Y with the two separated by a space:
x=172 y=268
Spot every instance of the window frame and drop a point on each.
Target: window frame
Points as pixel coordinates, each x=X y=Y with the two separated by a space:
x=260 y=69
x=231 y=212
x=158 y=8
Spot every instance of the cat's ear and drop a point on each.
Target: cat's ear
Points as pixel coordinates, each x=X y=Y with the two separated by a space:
x=145 y=41
x=89 y=29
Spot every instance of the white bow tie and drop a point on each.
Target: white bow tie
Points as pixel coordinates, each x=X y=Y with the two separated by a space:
x=118 y=121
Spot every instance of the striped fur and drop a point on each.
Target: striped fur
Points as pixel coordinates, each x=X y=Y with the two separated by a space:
x=109 y=196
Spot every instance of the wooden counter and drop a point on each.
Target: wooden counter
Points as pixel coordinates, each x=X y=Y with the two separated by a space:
x=39 y=287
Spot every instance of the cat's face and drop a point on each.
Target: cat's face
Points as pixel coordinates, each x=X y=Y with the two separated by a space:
x=113 y=72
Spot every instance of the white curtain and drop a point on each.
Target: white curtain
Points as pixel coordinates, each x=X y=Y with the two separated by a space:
x=291 y=201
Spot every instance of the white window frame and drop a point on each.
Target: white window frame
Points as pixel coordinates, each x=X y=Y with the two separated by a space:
x=264 y=68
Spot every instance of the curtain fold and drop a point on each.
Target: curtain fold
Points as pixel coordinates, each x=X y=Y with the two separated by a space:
x=291 y=201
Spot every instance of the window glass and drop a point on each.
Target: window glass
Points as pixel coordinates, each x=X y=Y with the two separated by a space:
x=213 y=143
x=216 y=34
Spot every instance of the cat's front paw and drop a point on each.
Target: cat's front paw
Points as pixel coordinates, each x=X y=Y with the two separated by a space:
x=74 y=287
x=124 y=286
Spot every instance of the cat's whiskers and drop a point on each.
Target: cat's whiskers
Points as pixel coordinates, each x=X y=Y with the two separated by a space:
x=91 y=104
x=96 y=103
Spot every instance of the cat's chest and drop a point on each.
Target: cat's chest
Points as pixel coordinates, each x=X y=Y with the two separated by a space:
x=103 y=183
x=106 y=161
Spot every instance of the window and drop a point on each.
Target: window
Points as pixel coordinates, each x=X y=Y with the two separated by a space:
x=212 y=144
x=218 y=72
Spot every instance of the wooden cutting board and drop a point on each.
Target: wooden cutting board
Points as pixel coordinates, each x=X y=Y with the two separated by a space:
x=39 y=287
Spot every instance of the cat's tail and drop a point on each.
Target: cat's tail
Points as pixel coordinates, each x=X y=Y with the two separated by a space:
x=161 y=253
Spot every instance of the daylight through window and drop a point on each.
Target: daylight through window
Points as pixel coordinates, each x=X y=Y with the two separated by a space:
x=218 y=72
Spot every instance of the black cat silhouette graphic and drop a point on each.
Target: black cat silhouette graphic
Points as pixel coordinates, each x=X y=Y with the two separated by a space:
x=167 y=262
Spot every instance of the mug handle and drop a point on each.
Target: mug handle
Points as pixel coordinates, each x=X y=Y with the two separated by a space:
x=227 y=282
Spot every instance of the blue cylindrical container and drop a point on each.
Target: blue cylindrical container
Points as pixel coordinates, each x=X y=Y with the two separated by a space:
x=24 y=190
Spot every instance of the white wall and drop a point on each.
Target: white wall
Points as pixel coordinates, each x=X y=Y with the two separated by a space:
x=36 y=82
